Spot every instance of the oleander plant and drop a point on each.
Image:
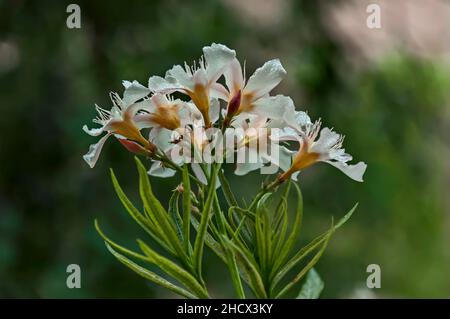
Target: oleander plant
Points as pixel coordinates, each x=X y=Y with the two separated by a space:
x=191 y=123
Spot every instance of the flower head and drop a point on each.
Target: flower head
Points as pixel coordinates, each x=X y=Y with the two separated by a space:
x=314 y=147
x=121 y=122
x=256 y=146
x=162 y=111
x=199 y=82
x=193 y=131
x=252 y=97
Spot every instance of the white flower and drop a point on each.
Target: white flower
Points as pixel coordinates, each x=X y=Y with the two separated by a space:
x=257 y=147
x=120 y=122
x=190 y=144
x=199 y=81
x=161 y=111
x=313 y=148
x=183 y=132
x=252 y=97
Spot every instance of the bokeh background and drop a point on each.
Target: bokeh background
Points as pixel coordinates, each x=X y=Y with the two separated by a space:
x=387 y=89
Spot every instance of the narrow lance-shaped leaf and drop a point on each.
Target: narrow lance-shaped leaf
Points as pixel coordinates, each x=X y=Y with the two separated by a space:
x=226 y=189
x=233 y=268
x=150 y=275
x=280 y=220
x=294 y=232
x=255 y=281
x=261 y=240
x=139 y=269
x=241 y=230
x=153 y=205
x=174 y=213
x=174 y=271
x=204 y=219
x=146 y=224
x=280 y=230
x=302 y=253
x=210 y=241
x=310 y=264
x=186 y=208
x=117 y=246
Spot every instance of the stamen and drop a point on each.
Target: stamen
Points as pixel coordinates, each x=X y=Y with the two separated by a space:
x=115 y=98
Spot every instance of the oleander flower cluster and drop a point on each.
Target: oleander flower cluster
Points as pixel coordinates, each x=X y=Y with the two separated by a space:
x=193 y=120
x=220 y=103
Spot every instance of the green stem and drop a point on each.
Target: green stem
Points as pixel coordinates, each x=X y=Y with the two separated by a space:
x=186 y=209
x=264 y=191
x=231 y=258
x=204 y=221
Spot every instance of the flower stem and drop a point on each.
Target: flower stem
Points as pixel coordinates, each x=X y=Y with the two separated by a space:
x=265 y=189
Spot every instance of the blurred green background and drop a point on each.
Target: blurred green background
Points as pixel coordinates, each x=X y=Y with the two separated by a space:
x=387 y=89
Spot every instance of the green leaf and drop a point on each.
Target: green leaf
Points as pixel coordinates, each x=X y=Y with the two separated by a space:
x=174 y=213
x=306 y=250
x=239 y=233
x=234 y=270
x=218 y=214
x=186 y=208
x=155 y=208
x=346 y=217
x=210 y=242
x=310 y=264
x=226 y=189
x=174 y=271
x=138 y=269
x=150 y=275
x=312 y=287
x=262 y=233
x=280 y=229
x=288 y=245
x=299 y=256
x=117 y=246
x=140 y=219
x=251 y=269
x=202 y=228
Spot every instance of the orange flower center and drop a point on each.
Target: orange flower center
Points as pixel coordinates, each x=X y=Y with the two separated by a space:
x=201 y=100
x=167 y=117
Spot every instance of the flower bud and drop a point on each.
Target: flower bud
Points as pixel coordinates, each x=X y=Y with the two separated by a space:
x=136 y=148
x=234 y=104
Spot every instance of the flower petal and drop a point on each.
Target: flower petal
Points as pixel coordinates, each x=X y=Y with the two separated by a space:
x=284 y=158
x=294 y=175
x=162 y=138
x=245 y=168
x=234 y=78
x=355 y=171
x=159 y=99
x=214 y=110
x=179 y=78
x=162 y=85
x=327 y=140
x=134 y=91
x=158 y=170
x=199 y=78
x=265 y=78
x=217 y=57
x=297 y=120
x=273 y=107
x=92 y=155
x=249 y=162
x=93 y=131
x=218 y=91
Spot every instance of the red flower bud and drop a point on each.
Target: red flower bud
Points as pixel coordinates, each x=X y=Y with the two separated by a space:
x=234 y=104
x=134 y=147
